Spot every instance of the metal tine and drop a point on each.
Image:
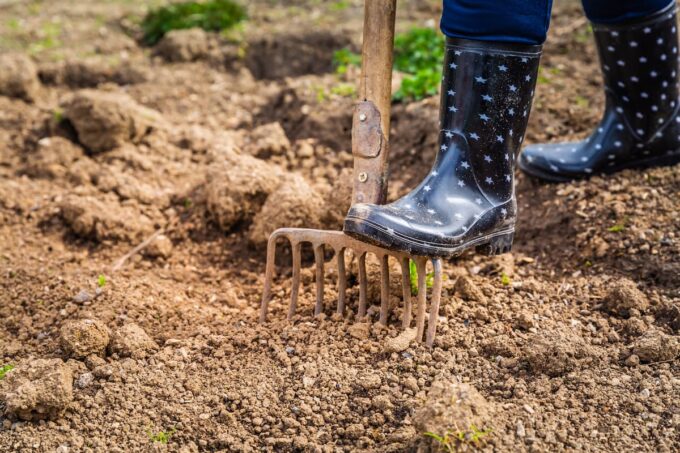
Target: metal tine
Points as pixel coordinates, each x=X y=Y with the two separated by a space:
x=384 y=289
x=295 y=290
x=406 y=290
x=268 y=276
x=362 y=285
x=422 y=297
x=342 y=281
x=318 y=258
x=434 y=305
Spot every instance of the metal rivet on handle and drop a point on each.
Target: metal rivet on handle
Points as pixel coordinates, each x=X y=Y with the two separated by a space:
x=363 y=177
x=362 y=117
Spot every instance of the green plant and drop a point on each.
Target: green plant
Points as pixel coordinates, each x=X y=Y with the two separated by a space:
x=162 y=437
x=4 y=370
x=419 y=53
x=505 y=279
x=452 y=440
x=340 y=5
x=413 y=277
x=343 y=59
x=212 y=15
x=101 y=281
x=58 y=115
x=344 y=89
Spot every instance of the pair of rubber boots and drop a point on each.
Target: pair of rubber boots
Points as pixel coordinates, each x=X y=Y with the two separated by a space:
x=468 y=198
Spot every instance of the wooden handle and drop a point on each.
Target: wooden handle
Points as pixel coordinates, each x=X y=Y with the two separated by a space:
x=371 y=123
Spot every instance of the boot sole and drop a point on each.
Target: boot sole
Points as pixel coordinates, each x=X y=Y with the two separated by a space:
x=496 y=243
x=641 y=164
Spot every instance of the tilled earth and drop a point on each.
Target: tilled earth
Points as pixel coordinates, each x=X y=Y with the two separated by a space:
x=197 y=149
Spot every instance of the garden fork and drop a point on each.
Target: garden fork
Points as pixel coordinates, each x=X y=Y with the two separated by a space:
x=370 y=140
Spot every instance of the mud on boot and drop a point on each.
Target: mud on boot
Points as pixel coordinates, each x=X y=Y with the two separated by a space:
x=468 y=198
x=641 y=123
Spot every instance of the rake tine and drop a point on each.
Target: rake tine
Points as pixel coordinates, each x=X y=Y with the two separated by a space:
x=362 y=285
x=318 y=257
x=422 y=295
x=406 y=290
x=296 y=280
x=342 y=281
x=434 y=306
x=268 y=277
x=384 y=289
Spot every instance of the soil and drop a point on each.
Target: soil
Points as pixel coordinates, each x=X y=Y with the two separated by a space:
x=197 y=149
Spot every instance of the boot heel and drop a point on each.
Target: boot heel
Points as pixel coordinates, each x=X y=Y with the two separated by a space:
x=496 y=245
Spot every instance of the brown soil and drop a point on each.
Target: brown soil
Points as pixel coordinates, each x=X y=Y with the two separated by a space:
x=105 y=144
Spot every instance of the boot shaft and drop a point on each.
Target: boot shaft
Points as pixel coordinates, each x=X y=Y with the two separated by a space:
x=639 y=62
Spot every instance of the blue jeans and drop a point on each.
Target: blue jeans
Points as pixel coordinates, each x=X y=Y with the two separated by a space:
x=526 y=21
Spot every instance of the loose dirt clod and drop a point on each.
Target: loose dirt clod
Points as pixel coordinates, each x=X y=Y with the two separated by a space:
x=161 y=247
x=294 y=204
x=53 y=158
x=131 y=340
x=104 y=218
x=266 y=141
x=184 y=45
x=401 y=342
x=105 y=120
x=624 y=296
x=84 y=337
x=38 y=389
x=451 y=407
x=469 y=291
x=19 y=77
x=555 y=353
x=656 y=346
x=237 y=189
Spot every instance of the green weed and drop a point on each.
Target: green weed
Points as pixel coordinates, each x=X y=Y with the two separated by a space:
x=49 y=35
x=101 y=281
x=340 y=5
x=619 y=227
x=162 y=437
x=419 y=53
x=343 y=59
x=344 y=89
x=505 y=280
x=58 y=115
x=413 y=277
x=212 y=15
x=4 y=370
x=452 y=440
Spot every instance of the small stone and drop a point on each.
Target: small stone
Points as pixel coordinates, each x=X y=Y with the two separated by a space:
x=84 y=337
x=402 y=341
x=84 y=380
x=645 y=393
x=369 y=381
x=82 y=297
x=525 y=320
x=131 y=340
x=529 y=409
x=521 y=432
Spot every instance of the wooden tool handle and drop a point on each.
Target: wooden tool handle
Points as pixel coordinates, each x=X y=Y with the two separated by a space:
x=371 y=123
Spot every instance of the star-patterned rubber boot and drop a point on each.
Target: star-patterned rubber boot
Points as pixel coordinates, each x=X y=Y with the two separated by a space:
x=641 y=123
x=468 y=199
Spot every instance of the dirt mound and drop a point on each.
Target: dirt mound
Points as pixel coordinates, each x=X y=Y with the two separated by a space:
x=105 y=120
x=656 y=346
x=19 y=77
x=104 y=218
x=85 y=337
x=92 y=72
x=266 y=141
x=623 y=297
x=53 y=158
x=556 y=352
x=38 y=389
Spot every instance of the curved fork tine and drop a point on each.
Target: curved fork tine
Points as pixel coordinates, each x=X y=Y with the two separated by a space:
x=268 y=277
x=362 y=285
x=406 y=290
x=295 y=290
x=434 y=305
x=342 y=281
x=318 y=257
x=422 y=297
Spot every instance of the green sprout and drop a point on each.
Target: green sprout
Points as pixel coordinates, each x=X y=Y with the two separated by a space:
x=616 y=228
x=452 y=440
x=413 y=277
x=343 y=59
x=101 y=281
x=4 y=370
x=505 y=279
x=419 y=53
x=211 y=15
x=162 y=437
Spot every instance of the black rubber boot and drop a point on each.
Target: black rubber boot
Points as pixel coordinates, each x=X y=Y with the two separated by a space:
x=468 y=198
x=641 y=125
